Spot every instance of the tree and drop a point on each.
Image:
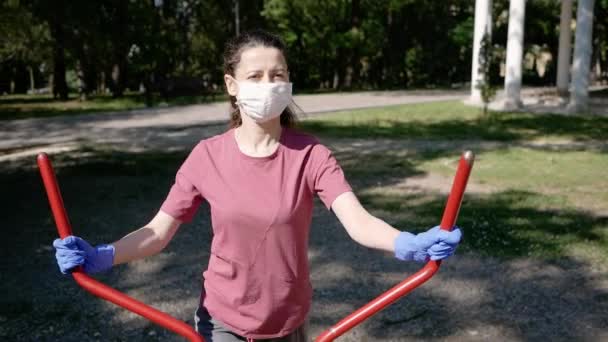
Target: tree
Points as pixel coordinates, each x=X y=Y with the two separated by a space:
x=23 y=39
x=319 y=34
x=486 y=57
x=336 y=44
x=366 y=43
x=54 y=15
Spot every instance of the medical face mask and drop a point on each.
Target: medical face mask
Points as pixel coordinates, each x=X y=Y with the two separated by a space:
x=263 y=101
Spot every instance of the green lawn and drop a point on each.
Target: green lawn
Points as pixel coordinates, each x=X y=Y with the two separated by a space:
x=453 y=120
x=543 y=176
x=30 y=106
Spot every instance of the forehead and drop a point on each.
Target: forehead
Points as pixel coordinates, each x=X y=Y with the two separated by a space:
x=261 y=58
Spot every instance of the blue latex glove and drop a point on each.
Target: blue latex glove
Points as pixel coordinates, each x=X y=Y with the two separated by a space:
x=74 y=251
x=434 y=244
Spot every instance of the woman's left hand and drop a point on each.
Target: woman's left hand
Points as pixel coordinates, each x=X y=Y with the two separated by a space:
x=434 y=244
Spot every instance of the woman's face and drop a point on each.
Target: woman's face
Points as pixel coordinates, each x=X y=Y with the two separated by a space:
x=258 y=64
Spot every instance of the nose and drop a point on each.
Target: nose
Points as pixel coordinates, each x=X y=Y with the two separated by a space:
x=266 y=78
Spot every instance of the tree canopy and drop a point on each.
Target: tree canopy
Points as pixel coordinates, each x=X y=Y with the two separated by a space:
x=114 y=45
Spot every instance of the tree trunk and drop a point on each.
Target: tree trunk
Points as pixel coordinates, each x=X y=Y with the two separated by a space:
x=354 y=68
x=120 y=51
x=186 y=41
x=82 y=80
x=336 y=80
x=596 y=65
x=101 y=87
x=51 y=83
x=60 y=86
x=117 y=90
x=342 y=61
x=386 y=53
x=32 y=83
x=237 y=19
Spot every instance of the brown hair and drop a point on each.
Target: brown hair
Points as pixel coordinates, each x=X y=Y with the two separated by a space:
x=232 y=57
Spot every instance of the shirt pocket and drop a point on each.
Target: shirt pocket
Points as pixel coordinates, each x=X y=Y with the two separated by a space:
x=222 y=267
x=233 y=281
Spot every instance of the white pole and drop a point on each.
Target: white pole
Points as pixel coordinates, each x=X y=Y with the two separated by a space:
x=579 y=90
x=565 y=48
x=483 y=24
x=515 y=50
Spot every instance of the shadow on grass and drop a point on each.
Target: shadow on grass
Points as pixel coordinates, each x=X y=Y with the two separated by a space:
x=497 y=126
x=506 y=224
x=513 y=277
x=108 y=194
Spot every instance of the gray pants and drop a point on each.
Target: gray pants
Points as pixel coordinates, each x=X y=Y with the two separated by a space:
x=214 y=331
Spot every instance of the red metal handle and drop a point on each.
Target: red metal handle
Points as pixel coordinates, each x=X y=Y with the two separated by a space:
x=450 y=214
x=93 y=286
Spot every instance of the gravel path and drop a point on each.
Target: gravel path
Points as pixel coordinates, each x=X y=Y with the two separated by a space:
x=174 y=127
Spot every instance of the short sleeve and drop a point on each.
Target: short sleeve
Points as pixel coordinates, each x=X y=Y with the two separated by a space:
x=329 y=181
x=185 y=197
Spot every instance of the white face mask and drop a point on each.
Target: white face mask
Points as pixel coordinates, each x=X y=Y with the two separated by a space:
x=263 y=101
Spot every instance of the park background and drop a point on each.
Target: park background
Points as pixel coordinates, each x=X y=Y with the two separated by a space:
x=118 y=92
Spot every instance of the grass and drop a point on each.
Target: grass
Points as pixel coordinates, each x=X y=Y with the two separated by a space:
x=33 y=106
x=548 y=202
x=545 y=174
x=453 y=120
x=545 y=200
x=567 y=177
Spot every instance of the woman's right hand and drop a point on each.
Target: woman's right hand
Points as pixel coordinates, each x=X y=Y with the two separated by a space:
x=74 y=251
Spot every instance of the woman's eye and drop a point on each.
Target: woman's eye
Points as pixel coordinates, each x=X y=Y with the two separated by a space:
x=253 y=77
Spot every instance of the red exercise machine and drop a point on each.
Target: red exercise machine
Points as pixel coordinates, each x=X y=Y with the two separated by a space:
x=105 y=292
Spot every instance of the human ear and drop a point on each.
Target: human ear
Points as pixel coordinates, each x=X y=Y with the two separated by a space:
x=231 y=85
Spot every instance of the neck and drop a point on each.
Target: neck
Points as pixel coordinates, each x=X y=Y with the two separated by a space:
x=256 y=137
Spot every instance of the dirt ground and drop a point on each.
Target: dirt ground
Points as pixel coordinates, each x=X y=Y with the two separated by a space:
x=472 y=298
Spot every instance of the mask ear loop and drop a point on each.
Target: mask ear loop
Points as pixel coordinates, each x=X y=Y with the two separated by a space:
x=237 y=103
x=239 y=107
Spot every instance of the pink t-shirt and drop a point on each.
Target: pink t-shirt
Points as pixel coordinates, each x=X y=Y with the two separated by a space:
x=257 y=282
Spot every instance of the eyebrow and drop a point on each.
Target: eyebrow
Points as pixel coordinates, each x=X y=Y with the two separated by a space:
x=275 y=70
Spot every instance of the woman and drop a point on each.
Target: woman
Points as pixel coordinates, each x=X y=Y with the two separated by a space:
x=259 y=179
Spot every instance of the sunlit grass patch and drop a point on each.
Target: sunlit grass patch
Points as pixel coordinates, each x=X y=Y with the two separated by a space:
x=504 y=224
x=546 y=173
x=567 y=178
x=453 y=120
